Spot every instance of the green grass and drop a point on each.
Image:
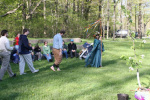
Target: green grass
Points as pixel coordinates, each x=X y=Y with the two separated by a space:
x=76 y=82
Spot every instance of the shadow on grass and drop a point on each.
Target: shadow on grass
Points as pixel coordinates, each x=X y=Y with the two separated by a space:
x=74 y=64
x=9 y=97
x=80 y=72
x=146 y=85
x=117 y=84
x=110 y=62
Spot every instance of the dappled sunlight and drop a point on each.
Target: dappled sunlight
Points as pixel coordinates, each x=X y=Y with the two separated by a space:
x=77 y=82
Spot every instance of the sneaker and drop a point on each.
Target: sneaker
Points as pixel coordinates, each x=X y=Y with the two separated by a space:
x=23 y=73
x=35 y=71
x=58 y=69
x=52 y=68
x=14 y=75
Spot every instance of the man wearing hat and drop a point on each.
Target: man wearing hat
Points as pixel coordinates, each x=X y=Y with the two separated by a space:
x=72 y=48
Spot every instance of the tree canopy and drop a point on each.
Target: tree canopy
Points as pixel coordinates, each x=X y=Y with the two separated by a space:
x=45 y=18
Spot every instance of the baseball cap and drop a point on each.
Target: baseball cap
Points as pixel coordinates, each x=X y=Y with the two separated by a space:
x=71 y=40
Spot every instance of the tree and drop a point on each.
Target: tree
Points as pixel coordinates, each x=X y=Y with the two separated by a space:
x=114 y=26
x=108 y=18
x=49 y=16
x=140 y=22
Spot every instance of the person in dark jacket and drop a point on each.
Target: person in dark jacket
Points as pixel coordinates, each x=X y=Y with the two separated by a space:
x=72 y=48
x=64 y=49
x=37 y=51
x=31 y=52
x=24 y=53
x=0 y=61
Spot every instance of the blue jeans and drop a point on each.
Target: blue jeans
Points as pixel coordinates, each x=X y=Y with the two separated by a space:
x=48 y=57
x=65 y=52
x=16 y=58
x=17 y=47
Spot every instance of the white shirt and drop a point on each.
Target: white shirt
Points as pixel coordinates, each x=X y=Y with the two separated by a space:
x=4 y=44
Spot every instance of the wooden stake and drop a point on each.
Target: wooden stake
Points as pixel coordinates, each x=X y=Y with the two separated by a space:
x=101 y=40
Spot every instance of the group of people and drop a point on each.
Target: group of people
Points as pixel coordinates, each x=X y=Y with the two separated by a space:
x=23 y=50
x=36 y=51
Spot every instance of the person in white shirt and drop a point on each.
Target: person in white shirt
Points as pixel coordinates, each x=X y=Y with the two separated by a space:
x=5 y=55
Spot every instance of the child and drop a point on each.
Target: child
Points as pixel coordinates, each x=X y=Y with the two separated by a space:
x=14 y=56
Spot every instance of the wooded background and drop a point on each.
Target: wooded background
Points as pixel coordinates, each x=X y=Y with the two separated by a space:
x=45 y=18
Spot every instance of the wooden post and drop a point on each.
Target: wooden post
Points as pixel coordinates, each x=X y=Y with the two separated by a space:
x=123 y=96
x=101 y=40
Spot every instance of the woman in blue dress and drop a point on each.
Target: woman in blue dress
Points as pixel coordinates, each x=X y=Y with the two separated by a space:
x=94 y=57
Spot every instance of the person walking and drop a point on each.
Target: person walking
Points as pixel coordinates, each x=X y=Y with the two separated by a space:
x=57 y=50
x=5 y=55
x=24 y=53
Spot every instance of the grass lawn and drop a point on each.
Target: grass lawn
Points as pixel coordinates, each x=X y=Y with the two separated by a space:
x=76 y=82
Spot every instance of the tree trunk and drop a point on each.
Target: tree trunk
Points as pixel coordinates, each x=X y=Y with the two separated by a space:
x=86 y=9
x=107 y=18
x=66 y=15
x=140 y=22
x=99 y=16
x=30 y=9
x=138 y=78
x=129 y=18
x=135 y=20
x=121 y=16
x=29 y=13
x=74 y=6
x=44 y=15
x=114 y=26
x=145 y=29
x=56 y=11
x=103 y=23
x=82 y=8
x=24 y=15
x=78 y=7
x=104 y=28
